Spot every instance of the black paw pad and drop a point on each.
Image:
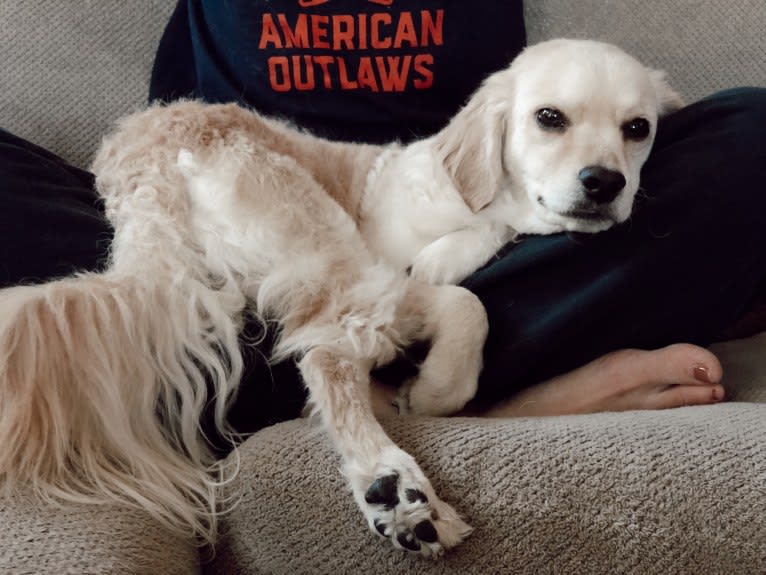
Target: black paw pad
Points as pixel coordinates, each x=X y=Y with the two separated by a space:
x=415 y=495
x=383 y=491
x=425 y=531
x=408 y=541
x=380 y=527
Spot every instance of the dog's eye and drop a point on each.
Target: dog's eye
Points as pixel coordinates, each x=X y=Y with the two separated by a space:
x=551 y=119
x=636 y=129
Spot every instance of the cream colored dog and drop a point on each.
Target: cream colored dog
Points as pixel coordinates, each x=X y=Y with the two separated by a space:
x=220 y=213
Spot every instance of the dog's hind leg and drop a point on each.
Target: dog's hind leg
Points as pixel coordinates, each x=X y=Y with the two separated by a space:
x=392 y=491
x=455 y=322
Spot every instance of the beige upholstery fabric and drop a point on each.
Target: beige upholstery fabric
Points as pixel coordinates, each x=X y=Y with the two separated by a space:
x=704 y=46
x=671 y=492
x=67 y=73
x=40 y=539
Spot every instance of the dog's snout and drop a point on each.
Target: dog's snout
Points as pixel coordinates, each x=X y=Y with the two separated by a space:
x=601 y=184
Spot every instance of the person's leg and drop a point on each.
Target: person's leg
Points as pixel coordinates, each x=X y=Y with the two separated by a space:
x=51 y=220
x=682 y=269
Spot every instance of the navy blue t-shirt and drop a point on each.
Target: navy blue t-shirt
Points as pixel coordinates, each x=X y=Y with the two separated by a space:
x=361 y=70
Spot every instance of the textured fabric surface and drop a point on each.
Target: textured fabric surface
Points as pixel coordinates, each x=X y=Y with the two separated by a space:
x=69 y=69
x=40 y=539
x=744 y=369
x=703 y=45
x=671 y=492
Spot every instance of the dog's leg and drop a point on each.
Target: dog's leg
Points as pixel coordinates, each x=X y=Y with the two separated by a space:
x=454 y=256
x=392 y=491
x=454 y=321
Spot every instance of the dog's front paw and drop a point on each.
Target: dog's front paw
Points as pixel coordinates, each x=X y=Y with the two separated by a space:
x=400 y=505
x=454 y=256
x=433 y=266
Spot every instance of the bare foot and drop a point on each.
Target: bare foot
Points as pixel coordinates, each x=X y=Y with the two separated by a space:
x=673 y=376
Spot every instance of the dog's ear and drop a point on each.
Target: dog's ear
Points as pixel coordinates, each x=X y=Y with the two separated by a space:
x=471 y=146
x=667 y=98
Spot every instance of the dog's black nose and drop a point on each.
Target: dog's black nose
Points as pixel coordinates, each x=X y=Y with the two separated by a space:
x=601 y=184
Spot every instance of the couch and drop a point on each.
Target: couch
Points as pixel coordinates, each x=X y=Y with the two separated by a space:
x=678 y=491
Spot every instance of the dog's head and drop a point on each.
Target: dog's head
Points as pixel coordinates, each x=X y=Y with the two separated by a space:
x=564 y=131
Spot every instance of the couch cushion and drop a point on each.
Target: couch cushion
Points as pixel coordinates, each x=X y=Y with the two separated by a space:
x=704 y=46
x=44 y=539
x=744 y=367
x=678 y=491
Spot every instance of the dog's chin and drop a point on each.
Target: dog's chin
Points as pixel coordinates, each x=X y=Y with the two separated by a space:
x=587 y=220
x=576 y=219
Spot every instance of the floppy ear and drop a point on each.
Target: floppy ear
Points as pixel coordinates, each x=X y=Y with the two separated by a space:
x=668 y=99
x=471 y=146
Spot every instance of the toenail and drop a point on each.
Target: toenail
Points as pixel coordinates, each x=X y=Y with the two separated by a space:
x=701 y=373
x=718 y=393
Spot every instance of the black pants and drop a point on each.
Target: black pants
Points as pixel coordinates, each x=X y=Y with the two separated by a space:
x=687 y=264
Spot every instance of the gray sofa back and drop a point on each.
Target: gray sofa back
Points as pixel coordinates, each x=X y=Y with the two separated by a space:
x=68 y=69
x=703 y=45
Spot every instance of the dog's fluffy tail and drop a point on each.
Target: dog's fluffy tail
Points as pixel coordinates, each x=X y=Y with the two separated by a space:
x=103 y=379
